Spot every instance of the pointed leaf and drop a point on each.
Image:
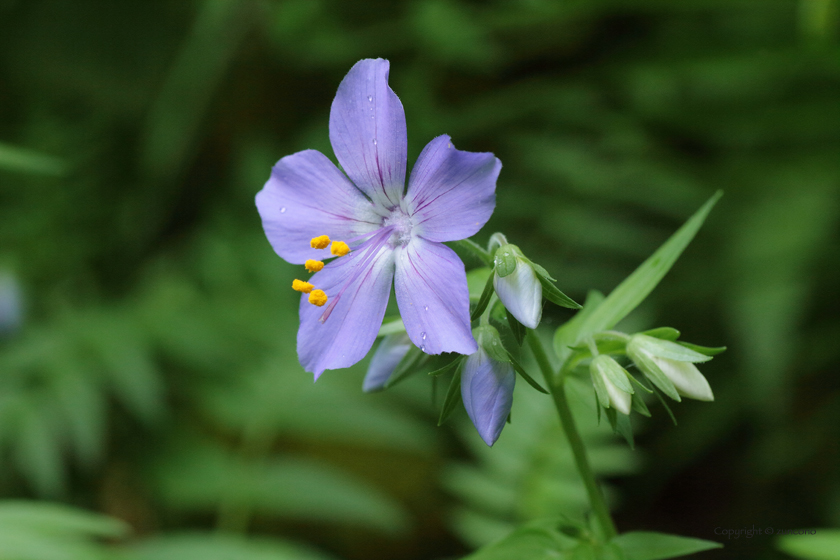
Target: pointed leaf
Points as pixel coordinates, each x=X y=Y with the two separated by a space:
x=705 y=350
x=816 y=544
x=453 y=396
x=665 y=333
x=517 y=328
x=554 y=295
x=644 y=545
x=621 y=425
x=528 y=379
x=447 y=368
x=639 y=405
x=636 y=287
x=486 y=294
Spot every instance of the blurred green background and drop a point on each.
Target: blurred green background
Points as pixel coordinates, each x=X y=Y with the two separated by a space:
x=147 y=330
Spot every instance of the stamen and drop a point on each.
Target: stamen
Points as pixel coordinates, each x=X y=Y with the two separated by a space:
x=301 y=286
x=320 y=242
x=339 y=248
x=313 y=265
x=317 y=297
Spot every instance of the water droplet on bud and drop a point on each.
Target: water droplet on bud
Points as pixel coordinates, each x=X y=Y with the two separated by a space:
x=283 y=210
x=423 y=336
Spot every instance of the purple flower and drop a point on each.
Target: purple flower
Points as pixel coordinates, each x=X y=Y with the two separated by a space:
x=391 y=232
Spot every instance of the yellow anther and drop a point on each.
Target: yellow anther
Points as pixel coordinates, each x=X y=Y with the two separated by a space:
x=320 y=242
x=339 y=248
x=317 y=297
x=313 y=266
x=301 y=286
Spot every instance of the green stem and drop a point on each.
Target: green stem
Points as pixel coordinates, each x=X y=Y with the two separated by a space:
x=558 y=391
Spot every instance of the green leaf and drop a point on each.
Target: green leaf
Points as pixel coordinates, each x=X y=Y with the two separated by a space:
x=665 y=333
x=486 y=294
x=538 y=540
x=58 y=519
x=218 y=546
x=568 y=335
x=823 y=545
x=517 y=328
x=665 y=349
x=521 y=371
x=554 y=295
x=27 y=161
x=636 y=287
x=621 y=425
x=453 y=396
x=639 y=405
x=542 y=271
x=447 y=368
x=644 y=545
x=705 y=350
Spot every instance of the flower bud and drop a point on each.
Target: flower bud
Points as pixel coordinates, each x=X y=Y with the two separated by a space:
x=670 y=366
x=487 y=382
x=612 y=383
x=517 y=285
x=387 y=357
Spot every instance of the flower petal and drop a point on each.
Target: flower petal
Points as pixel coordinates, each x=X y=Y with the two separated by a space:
x=487 y=390
x=451 y=193
x=432 y=294
x=686 y=378
x=359 y=288
x=367 y=132
x=307 y=196
x=391 y=351
x=521 y=294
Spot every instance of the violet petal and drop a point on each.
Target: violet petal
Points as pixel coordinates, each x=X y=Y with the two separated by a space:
x=307 y=196
x=349 y=331
x=368 y=134
x=451 y=193
x=432 y=294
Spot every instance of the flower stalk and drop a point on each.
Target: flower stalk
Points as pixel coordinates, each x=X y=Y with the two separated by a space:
x=567 y=421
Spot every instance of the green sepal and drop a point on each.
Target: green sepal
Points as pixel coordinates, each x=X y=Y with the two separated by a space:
x=638 y=404
x=665 y=333
x=665 y=349
x=646 y=545
x=705 y=350
x=541 y=271
x=453 y=396
x=486 y=295
x=618 y=375
x=504 y=261
x=664 y=404
x=641 y=385
x=518 y=329
x=552 y=294
x=475 y=249
x=488 y=338
x=621 y=425
x=447 y=368
x=656 y=376
x=600 y=387
x=409 y=365
x=521 y=371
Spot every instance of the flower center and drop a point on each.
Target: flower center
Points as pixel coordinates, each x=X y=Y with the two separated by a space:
x=403 y=226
